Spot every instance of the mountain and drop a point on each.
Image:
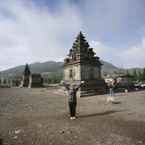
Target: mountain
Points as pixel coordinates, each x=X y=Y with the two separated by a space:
x=49 y=66
x=52 y=67
x=108 y=68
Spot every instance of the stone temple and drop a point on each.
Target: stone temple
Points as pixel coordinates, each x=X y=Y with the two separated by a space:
x=82 y=65
x=31 y=80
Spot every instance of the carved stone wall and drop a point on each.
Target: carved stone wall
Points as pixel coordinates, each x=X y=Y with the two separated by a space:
x=72 y=72
x=82 y=64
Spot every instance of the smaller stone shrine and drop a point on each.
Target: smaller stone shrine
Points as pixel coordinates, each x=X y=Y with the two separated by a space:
x=36 y=80
x=31 y=80
x=82 y=65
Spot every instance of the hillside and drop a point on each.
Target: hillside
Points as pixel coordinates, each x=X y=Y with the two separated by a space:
x=108 y=68
x=54 y=67
x=49 y=66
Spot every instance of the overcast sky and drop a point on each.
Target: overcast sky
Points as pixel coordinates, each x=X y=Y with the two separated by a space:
x=43 y=30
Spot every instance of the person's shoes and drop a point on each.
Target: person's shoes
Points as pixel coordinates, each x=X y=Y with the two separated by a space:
x=72 y=118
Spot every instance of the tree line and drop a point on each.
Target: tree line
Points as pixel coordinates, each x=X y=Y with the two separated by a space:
x=137 y=75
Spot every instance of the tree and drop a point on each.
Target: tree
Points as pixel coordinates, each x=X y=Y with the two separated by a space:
x=5 y=81
x=135 y=76
x=143 y=75
x=128 y=73
x=140 y=76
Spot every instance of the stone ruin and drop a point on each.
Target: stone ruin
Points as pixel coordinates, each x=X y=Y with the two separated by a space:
x=82 y=65
x=31 y=80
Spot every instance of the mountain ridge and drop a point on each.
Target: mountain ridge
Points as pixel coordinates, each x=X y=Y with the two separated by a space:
x=53 y=67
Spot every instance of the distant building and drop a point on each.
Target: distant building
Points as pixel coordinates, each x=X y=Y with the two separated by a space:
x=82 y=65
x=31 y=80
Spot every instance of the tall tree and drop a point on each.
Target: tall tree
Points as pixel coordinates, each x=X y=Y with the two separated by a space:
x=128 y=73
x=135 y=76
x=140 y=75
x=143 y=75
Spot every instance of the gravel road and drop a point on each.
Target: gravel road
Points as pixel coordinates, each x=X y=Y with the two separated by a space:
x=40 y=117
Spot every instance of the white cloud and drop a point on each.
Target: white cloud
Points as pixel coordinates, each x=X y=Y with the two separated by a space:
x=33 y=34
x=99 y=48
x=30 y=33
x=134 y=56
x=103 y=51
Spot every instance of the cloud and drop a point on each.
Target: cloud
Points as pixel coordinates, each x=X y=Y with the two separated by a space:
x=31 y=33
x=134 y=56
x=103 y=51
x=115 y=22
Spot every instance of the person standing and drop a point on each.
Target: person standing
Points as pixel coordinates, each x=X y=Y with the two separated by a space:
x=72 y=96
x=111 y=87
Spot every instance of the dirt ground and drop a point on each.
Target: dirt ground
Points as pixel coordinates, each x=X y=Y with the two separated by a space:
x=40 y=117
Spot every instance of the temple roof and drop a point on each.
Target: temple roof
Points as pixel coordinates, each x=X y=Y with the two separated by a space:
x=80 y=44
x=81 y=52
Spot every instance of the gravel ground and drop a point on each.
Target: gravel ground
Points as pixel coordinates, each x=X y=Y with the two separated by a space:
x=40 y=117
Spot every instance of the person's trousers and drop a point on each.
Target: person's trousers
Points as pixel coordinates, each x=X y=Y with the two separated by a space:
x=72 y=109
x=111 y=92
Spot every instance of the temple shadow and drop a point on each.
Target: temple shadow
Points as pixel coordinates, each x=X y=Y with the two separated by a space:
x=101 y=113
x=1 y=141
